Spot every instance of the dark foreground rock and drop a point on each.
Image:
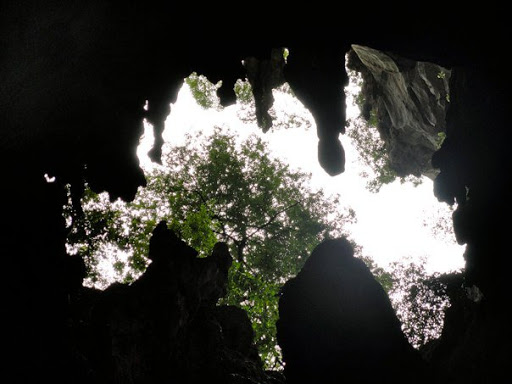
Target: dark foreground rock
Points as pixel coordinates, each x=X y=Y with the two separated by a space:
x=336 y=324
x=166 y=326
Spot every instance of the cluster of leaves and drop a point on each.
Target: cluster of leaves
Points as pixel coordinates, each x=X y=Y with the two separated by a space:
x=384 y=277
x=439 y=222
x=373 y=152
x=441 y=136
x=97 y=232
x=203 y=91
x=259 y=298
x=419 y=299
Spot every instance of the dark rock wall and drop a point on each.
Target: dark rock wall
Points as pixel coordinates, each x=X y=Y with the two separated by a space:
x=75 y=77
x=473 y=346
x=474 y=165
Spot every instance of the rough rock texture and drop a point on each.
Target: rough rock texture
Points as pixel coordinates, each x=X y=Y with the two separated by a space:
x=473 y=337
x=336 y=324
x=75 y=77
x=409 y=99
x=166 y=326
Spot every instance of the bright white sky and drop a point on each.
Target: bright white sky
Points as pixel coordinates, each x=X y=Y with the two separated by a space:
x=390 y=224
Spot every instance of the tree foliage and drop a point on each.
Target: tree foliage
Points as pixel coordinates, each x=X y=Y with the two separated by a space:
x=419 y=299
x=203 y=91
x=209 y=189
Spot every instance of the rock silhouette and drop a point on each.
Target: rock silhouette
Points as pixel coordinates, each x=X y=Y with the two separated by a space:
x=166 y=327
x=336 y=324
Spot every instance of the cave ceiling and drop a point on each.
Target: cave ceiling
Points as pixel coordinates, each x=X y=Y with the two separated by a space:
x=76 y=76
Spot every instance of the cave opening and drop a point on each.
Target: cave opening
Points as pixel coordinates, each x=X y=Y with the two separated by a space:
x=390 y=213
x=75 y=77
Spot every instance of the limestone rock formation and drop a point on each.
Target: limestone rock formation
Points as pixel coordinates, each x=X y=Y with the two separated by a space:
x=409 y=100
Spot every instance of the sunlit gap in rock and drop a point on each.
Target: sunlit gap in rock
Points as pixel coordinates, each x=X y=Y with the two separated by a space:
x=49 y=179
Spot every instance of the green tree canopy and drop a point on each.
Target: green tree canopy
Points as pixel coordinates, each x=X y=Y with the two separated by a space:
x=212 y=189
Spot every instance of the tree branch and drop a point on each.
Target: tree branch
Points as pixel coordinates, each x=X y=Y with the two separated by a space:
x=271 y=220
x=225 y=234
x=215 y=215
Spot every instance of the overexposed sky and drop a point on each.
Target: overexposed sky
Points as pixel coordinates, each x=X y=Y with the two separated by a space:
x=390 y=224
